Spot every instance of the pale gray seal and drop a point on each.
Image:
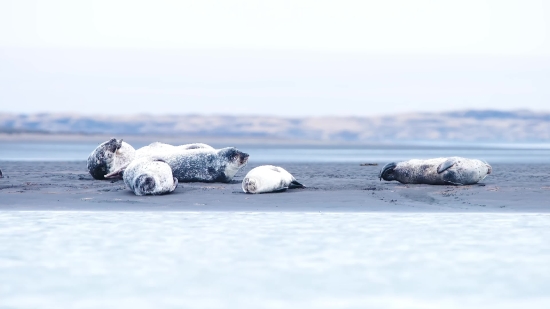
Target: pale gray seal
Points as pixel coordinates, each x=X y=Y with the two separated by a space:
x=439 y=171
x=149 y=176
x=109 y=157
x=197 y=165
x=269 y=178
x=158 y=148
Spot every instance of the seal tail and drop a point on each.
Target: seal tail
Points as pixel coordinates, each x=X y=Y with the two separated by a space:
x=295 y=185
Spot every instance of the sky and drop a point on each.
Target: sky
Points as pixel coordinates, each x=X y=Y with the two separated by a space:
x=287 y=58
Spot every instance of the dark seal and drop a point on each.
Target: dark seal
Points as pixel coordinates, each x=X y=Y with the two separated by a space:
x=206 y=165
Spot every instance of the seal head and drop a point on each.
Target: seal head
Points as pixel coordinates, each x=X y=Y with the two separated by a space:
x=387 y=172
x=109 y=156
x=235 y=159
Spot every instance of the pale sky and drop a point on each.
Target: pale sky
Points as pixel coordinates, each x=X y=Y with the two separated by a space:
x=289 y=58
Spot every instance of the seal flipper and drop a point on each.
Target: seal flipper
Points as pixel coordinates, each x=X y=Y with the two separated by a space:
x=446 y=165
x=294 y=185
x=117 y=174
x=175 y=185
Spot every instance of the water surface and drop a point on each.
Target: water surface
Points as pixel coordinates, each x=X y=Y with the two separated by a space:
x=495 y=153
x=273 y=260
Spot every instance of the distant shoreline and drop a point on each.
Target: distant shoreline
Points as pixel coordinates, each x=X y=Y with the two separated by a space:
x=264 y=141
x=468 y=127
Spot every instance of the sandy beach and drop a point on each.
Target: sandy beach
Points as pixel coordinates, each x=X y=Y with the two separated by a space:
x=331 y=187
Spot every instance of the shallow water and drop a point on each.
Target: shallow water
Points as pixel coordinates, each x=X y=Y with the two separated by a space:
x=273 y=260
x=505 y=153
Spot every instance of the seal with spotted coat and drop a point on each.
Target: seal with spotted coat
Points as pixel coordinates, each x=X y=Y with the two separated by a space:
x=204 y=164
x=149 y=176
x=438 y=171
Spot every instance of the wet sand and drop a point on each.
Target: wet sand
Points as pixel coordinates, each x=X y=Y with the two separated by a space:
x=331 y=187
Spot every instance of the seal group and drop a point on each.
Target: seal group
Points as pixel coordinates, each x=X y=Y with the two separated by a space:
x=158 y=168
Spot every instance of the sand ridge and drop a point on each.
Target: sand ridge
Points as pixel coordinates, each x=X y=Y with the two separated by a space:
x=331 y=187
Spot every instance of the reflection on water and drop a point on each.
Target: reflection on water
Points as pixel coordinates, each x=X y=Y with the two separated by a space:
x=46 y=151
x=273 y=260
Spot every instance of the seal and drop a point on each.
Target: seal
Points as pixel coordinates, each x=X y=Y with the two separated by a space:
x=438 y=171
x=109 y=156
x=204 y=164
x=157 y=148
x=113 y=156
x=269 y=178
x=149 y=176
x=1 y=176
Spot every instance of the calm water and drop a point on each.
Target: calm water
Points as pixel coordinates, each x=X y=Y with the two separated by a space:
x=273 y=260
x=511 y=153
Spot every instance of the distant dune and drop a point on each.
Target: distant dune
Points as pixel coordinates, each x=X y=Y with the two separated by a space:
x=460 y=126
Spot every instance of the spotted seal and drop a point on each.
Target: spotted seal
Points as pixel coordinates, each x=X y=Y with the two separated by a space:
x=113 y=156
x=269 y=178
x=149 y=176
x=157 y=148
x=109 y=157
x=438 y=171
x=204 y=164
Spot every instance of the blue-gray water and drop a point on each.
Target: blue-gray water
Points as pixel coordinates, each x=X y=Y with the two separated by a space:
x=504 y=153
x=273 y=260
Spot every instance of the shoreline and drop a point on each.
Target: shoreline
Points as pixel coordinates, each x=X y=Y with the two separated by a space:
x=331 y=187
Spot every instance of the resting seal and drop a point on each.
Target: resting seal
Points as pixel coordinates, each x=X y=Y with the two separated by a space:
x=157 y=148
x=204 y=164
x=269 y=178
x=149 y=176
x=113 y=156
x=439 y=171
x=109 y=156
